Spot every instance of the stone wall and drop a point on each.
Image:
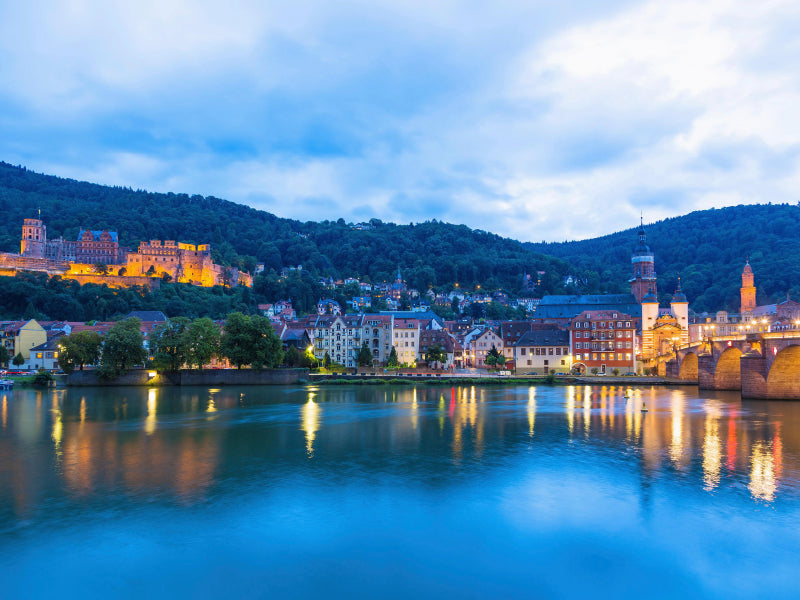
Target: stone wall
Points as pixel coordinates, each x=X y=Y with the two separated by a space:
x=115 y=281
x=208 y=377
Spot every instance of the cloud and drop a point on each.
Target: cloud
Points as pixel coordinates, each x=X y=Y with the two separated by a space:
x=532 y=120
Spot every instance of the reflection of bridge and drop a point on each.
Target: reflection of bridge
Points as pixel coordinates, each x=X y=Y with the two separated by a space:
x=761 y=365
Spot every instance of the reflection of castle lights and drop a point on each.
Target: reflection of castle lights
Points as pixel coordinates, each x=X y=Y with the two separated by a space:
x=310 y=416
x=150 y=421
x=5 y=410
x=762 y=473
x=531 y=408
x=712 y=448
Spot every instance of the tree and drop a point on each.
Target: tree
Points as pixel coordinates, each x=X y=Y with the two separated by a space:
x=4 y=356
x=19 y=360
x=168 y=344
x=291 y=357
x=435 y=354
x=101 y=268
x=123 y=348
x=151 y=271
x=492 y=357
x=393 y=361
x=202 y=342
x=79 y=349
x=364 y=355
x=251 y=341
x=235 y=342
x=326 y=360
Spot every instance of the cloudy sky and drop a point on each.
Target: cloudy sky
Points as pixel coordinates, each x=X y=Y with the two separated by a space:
x=538 y=120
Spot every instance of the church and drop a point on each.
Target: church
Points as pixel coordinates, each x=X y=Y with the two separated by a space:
x=662 y=328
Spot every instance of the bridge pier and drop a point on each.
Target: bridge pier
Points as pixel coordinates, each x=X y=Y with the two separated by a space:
x=706 y=366
x=754 y=375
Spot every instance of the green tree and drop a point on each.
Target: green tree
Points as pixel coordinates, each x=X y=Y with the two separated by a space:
x=251 y=341
x=326 y=360
x=364 y=355
x=202 y=342
x=435 y=354
x=18 y=360
x=101 y=268
x=236 y=339
x=123 y=348
x=393 y=361
x=4 y=356
x=291 y=357
x=168 y=344
x=492 y=357
x=79 y=349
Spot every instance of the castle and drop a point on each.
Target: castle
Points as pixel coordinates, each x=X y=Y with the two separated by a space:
x=80 y=259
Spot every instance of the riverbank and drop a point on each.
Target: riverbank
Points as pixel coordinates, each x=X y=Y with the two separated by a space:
x=470 y=379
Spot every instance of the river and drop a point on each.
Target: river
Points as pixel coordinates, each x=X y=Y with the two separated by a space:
x=398 y=492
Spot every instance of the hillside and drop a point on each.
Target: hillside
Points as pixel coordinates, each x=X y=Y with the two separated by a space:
x=707 y=248
x=430 y=253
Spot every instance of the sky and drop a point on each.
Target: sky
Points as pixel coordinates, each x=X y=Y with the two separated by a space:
x=537 y=120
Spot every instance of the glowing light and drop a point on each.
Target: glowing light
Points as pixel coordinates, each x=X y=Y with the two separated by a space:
x=531 y=408
x=762 y=473
x=712 y=448
x=5 y=410
x=310 y=414
x=571 y=409
x=150 y=420
x=676 y=447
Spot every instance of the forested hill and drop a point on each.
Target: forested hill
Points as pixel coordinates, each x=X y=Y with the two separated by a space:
x=707 y=248
x=430 y=253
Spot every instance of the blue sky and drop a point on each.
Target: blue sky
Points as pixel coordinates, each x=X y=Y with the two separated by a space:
x=535 y=120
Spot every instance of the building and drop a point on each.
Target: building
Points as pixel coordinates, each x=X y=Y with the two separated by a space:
x=405 y=339
x=748 y=290
x=604 y=340
x=453 y=350
x=480 y=346
x=78 y=260
x=328 y=307
x=663 y=331
x=563 y=309
x=20 y=336
x=644 y=268
x=543 y=351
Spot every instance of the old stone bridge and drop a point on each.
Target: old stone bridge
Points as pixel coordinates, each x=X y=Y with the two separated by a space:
x=760 y=365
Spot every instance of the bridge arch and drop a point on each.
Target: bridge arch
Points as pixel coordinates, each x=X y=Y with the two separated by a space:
x=782 y=380
x=728 y=373
x=689 y=368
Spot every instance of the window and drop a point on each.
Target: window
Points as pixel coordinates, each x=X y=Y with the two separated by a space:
x=579 y=345
x=563 y=362
x=522 y=351
x=550 y=351
x=578 y=325
x=558 y=351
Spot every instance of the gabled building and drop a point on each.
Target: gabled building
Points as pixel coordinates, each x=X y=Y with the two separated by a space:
x=604 y=340
x=543 y=352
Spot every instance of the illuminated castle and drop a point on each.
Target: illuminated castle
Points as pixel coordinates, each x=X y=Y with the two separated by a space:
x=79 y=259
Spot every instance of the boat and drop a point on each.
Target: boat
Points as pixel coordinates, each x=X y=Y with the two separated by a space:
x=6 y=383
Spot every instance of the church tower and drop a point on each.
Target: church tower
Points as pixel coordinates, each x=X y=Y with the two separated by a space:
x=34 y=238
x=644 y=268
x=748 y=290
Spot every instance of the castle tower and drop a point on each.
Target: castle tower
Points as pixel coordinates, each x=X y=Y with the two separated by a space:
x=649 y=318
x=34 y=238
x=748 y=290
x=680 y=310
x=644 y=268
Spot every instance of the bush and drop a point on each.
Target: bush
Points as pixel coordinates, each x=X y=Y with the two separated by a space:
x=42 y=378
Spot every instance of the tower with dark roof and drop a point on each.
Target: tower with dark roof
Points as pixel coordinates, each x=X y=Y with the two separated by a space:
x=644 y=268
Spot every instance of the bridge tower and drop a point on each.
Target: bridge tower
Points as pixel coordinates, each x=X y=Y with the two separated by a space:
x=748 y=289
x=649 y=318
x=680 y=310
x=644 y=268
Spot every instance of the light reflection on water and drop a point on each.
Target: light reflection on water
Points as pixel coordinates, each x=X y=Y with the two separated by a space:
x=446 y=464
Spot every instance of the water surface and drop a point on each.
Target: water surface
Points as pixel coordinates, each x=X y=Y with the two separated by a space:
x=397 y=492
